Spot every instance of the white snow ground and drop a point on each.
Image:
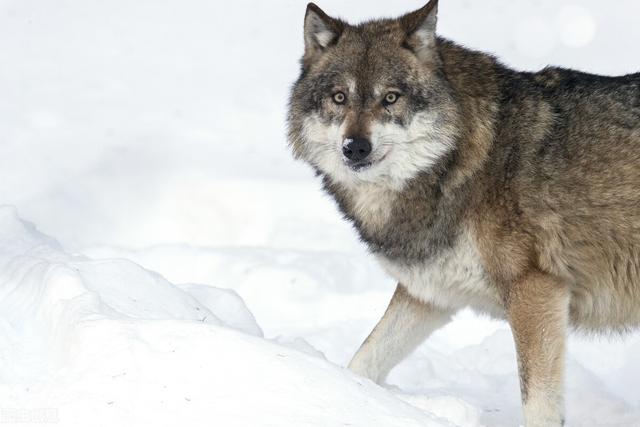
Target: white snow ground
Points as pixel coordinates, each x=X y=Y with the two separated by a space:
x=149 y=135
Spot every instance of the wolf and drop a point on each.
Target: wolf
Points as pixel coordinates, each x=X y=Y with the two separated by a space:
x=474 y=185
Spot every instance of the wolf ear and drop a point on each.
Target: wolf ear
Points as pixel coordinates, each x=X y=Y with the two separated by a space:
x=420 y=29
x=320 y=31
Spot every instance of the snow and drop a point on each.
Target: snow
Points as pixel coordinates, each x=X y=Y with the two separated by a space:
x=201 y=276
x=107 y=342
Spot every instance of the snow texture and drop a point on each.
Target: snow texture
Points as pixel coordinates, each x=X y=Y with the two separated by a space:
x=201 y=276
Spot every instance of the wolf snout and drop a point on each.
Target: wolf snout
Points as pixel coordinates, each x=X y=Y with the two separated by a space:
x=356 y=148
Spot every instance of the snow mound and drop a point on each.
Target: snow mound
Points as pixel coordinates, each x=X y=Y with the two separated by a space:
x=107 y=342
x=326 y=302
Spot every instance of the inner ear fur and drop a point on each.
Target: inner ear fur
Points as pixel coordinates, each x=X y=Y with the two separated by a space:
x=320 y=30
x=420 y=29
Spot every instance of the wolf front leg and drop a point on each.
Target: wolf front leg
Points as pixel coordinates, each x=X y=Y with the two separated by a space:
x=406 y=323
x=538 y=308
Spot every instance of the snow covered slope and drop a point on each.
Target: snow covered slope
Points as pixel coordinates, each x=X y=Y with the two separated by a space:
x=106 y=342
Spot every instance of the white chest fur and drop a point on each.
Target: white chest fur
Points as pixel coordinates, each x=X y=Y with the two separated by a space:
x=372 y=204
x=453 y=279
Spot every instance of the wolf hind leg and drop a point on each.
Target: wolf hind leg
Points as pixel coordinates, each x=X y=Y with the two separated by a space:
x=406 y=323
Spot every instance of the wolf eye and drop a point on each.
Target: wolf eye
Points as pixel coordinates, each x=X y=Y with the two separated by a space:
x=339 y=98
x=390 y=98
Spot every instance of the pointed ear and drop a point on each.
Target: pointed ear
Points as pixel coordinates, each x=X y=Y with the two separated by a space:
x=320 y=31
x=420 y=27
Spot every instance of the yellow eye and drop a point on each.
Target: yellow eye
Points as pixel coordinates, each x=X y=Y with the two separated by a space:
x=339 y=98
x=390 y=98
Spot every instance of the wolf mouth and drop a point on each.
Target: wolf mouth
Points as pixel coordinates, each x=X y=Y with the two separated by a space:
x=364 y=165
x=360 y=166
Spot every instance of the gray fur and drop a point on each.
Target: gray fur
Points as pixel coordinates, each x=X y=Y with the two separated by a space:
x=535 y=177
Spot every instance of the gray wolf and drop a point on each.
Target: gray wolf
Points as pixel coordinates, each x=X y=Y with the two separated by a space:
x=474 y=185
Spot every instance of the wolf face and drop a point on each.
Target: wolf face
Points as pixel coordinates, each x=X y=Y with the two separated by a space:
x=371 y=104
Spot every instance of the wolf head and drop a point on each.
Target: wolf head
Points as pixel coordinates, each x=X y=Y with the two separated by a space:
x=372 y=103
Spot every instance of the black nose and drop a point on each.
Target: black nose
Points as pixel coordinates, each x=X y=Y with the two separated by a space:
x=356 y=148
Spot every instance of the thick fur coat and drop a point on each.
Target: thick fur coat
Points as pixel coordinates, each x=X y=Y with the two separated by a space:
x=517 y=194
